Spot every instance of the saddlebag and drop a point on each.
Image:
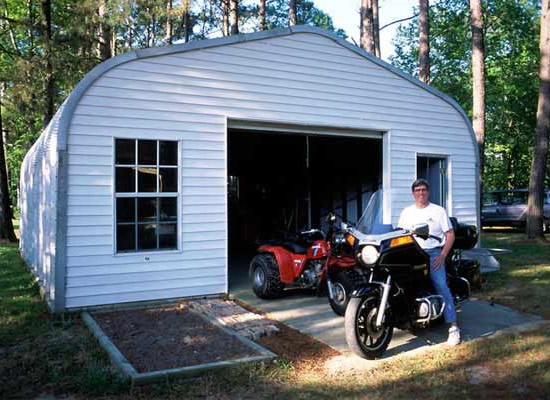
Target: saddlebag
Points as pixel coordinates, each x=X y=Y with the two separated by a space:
x=465 y=235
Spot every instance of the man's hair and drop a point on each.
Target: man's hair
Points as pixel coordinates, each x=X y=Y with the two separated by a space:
x=420 y=182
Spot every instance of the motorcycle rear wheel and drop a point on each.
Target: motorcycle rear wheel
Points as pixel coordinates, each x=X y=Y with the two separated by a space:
x=364 y=338
x=264 y=277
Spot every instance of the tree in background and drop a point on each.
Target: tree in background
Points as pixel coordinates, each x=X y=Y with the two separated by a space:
x=292 y=13
x=478 y=82
x=47 y=47
x=535 y=204
x=105 y=32
x=234 y=16
x=261 y=15
x=6 y=216
x=424 y=42
x=512 y=55
x=376 y=27
x=366 y=27
x=277 y=16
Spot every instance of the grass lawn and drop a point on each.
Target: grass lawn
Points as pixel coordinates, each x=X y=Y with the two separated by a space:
x=42 y=355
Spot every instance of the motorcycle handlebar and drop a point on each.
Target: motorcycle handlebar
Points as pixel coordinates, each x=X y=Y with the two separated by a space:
x=428 y=236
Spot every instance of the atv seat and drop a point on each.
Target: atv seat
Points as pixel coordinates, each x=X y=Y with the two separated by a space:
x=294 y=247
x=290 y=245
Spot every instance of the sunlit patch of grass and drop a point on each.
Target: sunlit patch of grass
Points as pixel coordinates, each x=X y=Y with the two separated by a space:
x=523 y=282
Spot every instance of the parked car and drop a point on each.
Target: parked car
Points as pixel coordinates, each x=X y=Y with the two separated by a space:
x=509 y=208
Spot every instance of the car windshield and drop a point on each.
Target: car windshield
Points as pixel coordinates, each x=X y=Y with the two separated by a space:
x=490 y=199
x=514 y=197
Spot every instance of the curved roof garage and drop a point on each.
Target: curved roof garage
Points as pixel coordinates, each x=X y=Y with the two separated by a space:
x=162 y=162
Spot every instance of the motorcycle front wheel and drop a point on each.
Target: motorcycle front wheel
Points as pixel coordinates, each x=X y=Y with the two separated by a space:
x=364 y=338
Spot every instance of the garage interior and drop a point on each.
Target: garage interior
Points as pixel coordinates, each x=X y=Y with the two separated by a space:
x=287 y=182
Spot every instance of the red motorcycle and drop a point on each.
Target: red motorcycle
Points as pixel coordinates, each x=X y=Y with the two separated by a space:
x=307 y=260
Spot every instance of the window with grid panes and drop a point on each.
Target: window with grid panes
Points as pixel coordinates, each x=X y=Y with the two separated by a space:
x=146 y=190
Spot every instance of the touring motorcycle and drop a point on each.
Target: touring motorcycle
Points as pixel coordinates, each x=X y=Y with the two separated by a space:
x=399 y=293
x=305 y=261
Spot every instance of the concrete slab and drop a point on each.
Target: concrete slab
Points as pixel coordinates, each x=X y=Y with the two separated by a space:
x=313 y=315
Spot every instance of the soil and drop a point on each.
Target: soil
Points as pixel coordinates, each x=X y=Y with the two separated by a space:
x=165 y=338
x=175 y=337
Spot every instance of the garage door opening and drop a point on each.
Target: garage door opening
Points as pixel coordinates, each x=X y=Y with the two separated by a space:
x=282 y=182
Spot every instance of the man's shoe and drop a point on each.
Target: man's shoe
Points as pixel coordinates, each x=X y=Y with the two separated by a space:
x=454 y=336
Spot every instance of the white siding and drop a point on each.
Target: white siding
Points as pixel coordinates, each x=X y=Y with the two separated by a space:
x=303 y=78
x=38 y=197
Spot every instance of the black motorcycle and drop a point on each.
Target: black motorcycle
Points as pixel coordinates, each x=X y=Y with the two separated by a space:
x=399 y=293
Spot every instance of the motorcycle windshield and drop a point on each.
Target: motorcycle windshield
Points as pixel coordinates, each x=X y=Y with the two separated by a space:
x=372 y=214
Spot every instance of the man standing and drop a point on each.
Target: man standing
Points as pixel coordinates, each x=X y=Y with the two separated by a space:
x=424 y=212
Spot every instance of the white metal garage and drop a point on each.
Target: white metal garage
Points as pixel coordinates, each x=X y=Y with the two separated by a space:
x=124 y=196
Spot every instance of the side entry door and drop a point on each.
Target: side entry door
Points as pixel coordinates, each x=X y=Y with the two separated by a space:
x=434 y=170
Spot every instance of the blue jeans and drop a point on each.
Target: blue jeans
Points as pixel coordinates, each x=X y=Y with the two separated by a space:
x=439 y=281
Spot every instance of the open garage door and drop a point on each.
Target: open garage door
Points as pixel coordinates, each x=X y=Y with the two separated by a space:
x=280 y=182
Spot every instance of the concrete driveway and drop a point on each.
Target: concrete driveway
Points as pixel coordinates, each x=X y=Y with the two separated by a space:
x=313 y=315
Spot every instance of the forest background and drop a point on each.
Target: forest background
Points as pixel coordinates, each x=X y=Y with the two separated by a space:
x=47 y=46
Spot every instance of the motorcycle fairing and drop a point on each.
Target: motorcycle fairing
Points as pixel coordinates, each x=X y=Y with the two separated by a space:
x=290 y=264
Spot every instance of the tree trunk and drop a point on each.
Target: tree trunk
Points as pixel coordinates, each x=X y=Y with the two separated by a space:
x=30 y=30
x=105 y=34
x=6 y=225
x=225 y=17
x=234 y=16
x=376 y=27
x=540 y=153
x=478 y=77
x=261 y=13
x=366 y=26
x=169 y=23
x=47 y=43
x=292 y=19
x=186 y=27
x=424 y=38
x=148 y=31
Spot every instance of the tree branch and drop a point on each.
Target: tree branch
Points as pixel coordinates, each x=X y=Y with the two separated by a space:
x=398 y=20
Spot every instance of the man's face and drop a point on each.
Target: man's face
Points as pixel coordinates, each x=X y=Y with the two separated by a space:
x=421 y=195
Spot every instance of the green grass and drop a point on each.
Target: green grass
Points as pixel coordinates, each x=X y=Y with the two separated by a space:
x=45 y=356
x=523 y=282
x=40 y=353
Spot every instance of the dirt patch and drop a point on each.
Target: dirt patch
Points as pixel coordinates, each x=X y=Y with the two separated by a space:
x=165 y=338
x=174 y=337
x=302 y=350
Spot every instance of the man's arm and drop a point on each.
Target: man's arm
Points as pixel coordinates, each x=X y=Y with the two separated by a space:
x=449 y=240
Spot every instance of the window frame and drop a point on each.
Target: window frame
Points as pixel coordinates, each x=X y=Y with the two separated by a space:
x=136 y=195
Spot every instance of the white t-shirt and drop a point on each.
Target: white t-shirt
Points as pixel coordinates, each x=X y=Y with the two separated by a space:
x=433 y=215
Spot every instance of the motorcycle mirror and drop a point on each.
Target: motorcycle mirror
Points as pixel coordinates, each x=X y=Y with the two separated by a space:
x=331 y=217
x=421 y=230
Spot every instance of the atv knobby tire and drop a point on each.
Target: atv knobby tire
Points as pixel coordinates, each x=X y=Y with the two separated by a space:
x=264 y=277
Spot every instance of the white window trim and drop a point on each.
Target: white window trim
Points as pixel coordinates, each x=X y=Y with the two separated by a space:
x=137 y=194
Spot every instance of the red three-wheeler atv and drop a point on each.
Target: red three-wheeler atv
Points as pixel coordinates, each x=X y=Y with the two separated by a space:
x=307 y=260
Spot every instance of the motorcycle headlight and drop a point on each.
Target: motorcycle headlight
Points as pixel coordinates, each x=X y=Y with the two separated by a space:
x=369 y=255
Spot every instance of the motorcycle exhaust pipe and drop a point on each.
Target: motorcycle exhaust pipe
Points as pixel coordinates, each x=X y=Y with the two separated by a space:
x=383 y=302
